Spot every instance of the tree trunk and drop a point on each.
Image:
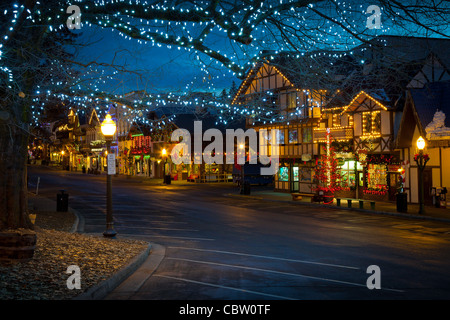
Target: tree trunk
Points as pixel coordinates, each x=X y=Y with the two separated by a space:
x=13 y=178
x=17 y=239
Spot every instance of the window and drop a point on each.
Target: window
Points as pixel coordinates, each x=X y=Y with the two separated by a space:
x=367 y=122
x=307 y=135
x=305 y=174
x=348 y=173
x=376 y=122
x=336 y=120
x=371 y=122
x=291 y=100
x=376 y=176
x=281 y=136
x=293 y=136
x=283 y=174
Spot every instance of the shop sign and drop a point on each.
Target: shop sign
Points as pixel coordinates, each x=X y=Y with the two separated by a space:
x=306 y=157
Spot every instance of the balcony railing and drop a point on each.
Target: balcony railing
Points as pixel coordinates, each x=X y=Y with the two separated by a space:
x=337 y=134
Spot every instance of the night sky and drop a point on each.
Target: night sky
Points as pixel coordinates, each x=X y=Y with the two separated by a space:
x=160 y=69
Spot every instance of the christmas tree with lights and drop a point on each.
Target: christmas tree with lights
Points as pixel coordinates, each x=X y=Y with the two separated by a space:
x=328 y=174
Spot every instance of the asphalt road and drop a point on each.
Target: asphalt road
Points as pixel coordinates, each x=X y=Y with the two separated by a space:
x=223 y=247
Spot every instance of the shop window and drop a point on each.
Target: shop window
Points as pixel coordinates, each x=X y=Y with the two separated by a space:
x=348 y=176
x=305 y=174
x=376 y=176
x=283 y=174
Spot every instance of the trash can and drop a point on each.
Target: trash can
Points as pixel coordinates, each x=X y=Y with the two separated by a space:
x=402 y=202
x=62 y=201
x=167 y=179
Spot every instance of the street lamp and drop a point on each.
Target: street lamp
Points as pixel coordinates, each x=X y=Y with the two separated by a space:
x=108 y=128
x=164 y=155
x=62 y=159
x=242 y=191
x=421 y=160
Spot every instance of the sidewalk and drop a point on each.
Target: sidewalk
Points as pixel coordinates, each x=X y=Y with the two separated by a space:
x=120 y=176
x=389 y=208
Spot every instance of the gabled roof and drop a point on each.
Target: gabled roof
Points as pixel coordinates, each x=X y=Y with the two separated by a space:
x=378 y=97
x=306 y=70
x=93 y=118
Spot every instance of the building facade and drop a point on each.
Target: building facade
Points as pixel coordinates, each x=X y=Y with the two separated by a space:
x=356 y=111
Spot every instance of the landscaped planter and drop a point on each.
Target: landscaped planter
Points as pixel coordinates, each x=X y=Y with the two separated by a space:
x=17 y=245
x=328 y=197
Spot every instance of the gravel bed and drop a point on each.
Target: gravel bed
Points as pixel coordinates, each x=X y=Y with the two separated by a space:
x=45 y=278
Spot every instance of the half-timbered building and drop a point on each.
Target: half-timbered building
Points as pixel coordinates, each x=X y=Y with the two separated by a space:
x=359 y=101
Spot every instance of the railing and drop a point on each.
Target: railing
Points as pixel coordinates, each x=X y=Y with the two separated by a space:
x=337 y=134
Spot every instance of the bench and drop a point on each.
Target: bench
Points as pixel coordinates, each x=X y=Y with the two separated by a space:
x=299 y=196
x=361 y=202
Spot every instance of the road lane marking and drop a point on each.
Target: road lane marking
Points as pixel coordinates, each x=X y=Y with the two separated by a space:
x=154 y=228
x=121 y=220
x=279 y=272
x=268 y=257
x=161 y=236
x=223 y=287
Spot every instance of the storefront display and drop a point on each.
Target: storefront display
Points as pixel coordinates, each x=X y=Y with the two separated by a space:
x=348 y=173
x=283 y=174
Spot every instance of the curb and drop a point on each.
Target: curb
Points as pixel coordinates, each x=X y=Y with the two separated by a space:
x=395 y=214
x=127 y=289
x=101 y=290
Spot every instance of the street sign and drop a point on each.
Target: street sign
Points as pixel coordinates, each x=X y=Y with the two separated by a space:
x=111 y=163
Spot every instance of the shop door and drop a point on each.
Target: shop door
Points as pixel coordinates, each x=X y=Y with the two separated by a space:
x=393 y=182
x=359 y=184
x=294 y=179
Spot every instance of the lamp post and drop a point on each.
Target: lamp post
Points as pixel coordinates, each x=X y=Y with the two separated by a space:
x=108 y=128
x=242 y=191
x=62 y=158
x=421 y=161
x=164 y=155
